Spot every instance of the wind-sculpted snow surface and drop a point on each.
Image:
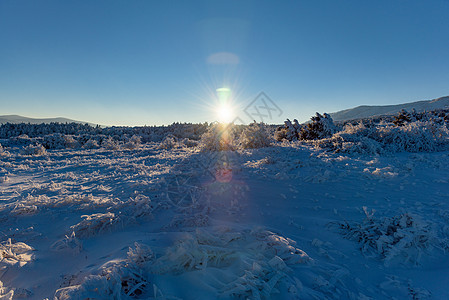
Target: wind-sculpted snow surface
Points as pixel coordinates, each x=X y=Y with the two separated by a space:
x=127 y=217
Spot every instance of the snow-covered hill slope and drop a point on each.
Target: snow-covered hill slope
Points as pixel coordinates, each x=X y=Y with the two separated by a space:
x=366 y=111
x=16 y=119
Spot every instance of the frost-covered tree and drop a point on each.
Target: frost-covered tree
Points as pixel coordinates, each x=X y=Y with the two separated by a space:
x=290 y=131
x=321 y=126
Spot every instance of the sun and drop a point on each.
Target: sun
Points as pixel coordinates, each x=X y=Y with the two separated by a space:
x=224 y=111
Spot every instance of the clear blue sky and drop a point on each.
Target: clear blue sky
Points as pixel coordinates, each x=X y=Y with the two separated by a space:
x=157 y=62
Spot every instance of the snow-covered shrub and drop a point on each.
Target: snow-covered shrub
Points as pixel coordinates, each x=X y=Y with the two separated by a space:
x=288 y=132
x=3 y=152
x=133 y=143
x=218 y=137
x=404 y=238
x=37 y=150
x=96 y=224
x=255 y=135
x=169 y=142
x=321 y=126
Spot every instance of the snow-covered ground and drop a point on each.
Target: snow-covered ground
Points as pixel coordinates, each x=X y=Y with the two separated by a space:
x=287 y=221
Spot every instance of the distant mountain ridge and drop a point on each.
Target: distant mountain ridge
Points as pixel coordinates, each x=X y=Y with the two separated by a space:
x=16 y=119
x=366 y=111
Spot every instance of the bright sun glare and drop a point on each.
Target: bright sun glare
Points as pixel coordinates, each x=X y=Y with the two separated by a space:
x=224 y=110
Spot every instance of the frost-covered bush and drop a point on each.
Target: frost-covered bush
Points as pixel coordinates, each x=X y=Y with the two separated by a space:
x=169 y=142
x=321 y=126
x=404 y=238
x=219 y=137
x=37 y=149
x=254 y=135
x=91 y=144
x=109 y=144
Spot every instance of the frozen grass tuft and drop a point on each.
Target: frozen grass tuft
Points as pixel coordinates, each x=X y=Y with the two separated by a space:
x=15 y=253
x=404 y=238
x=95 y=224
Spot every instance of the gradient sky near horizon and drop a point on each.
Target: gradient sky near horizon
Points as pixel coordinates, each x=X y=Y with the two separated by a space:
x=158 y=62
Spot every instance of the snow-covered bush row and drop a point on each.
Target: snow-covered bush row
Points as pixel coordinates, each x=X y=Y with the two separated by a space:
x=224 y=137
x=403 y=238
x=213 y=137
x=415 y=136
x=147 y=133
x=410 y=132
x=9 y=130
x=62 y=136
